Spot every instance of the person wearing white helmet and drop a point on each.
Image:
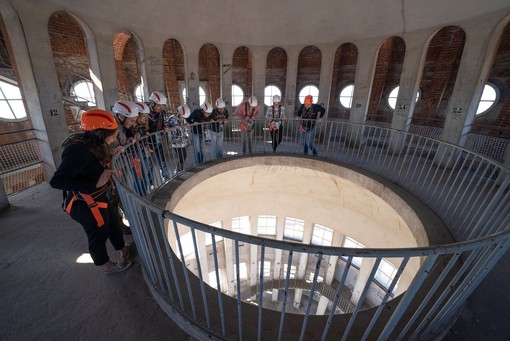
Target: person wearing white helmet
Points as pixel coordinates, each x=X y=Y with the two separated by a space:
x=219 y=118
x=126 y=113
x=197 y=119
x=247 y=111
x=177 y=135
x=275 y=115
x=144 y=167
x=156 y=125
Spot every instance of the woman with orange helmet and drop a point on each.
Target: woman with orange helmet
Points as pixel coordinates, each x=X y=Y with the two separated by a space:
x=84 y=177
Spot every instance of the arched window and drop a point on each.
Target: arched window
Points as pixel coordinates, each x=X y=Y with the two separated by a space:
x=11 y=103
x=269 y=92
x=346 y=95
x=309 y=90
x=392 y=97
x=237 y=95
x=139 y=95
x=84 y=92
x=201 y=95
x=488 y=100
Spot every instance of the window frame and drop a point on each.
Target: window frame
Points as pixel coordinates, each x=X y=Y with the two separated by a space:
x=234 y=97
x=351 y=97
x=496 y=99
x=268 y=98
x=302 y=93
x=13 y=117
x=91 y=101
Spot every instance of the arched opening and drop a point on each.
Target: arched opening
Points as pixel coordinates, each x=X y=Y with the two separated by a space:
x=309 y=71
x=344 y=74
x=174 y=73
x=276 y=71
x=242 y=69
x=209 y=72
x=127 y=64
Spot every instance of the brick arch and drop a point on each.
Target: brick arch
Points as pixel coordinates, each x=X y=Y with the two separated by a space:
x=496 y=121
x=242 y=69
x=388 y=69
x=173 y=71
x=70 y=55
x=309 y=69
x=344 y=73
x=439 y=73
x=127 y=64
x=276 y=69
x=209 y=70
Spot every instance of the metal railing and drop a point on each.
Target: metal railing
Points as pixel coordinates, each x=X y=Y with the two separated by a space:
x=468 y=191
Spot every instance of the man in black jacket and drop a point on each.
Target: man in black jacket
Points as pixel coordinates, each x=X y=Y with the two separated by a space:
x=311 y=114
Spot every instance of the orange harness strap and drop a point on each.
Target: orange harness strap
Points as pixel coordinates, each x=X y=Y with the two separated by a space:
x=93 y=205
x=136 y=162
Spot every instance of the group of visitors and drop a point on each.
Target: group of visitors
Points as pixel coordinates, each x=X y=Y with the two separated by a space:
x=85 y=172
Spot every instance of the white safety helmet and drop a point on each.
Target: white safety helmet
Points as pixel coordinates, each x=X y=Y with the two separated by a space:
x=158 y=98
x=220 y=104
x=207 y=107
x=143 y=108
x=276 y=98
x=125 y=108
x=253 y=101
x=184 y=110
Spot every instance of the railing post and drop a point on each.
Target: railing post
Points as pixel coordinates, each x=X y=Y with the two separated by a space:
x=4 y=201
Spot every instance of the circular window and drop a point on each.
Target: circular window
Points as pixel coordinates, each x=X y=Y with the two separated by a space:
x=84 y=92
x=11 y=103
x=237 y=95
x=201 y=95
x=269 y=92
x=392 y=97
x=346 y=95
x=139 y=95
x=309 y=90
x=488 y=99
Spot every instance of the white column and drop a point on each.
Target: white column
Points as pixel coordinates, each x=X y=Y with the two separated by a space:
x=106 y=63
x=38 y=75
x=226 y=77
x=303 y=260
x=254 y=257
x=154 y=64
x=202 y=255
x=192 y=53
x=291 y=82
x=328 y=57
x=277 y=262
x=416 y=50
x=364 y=273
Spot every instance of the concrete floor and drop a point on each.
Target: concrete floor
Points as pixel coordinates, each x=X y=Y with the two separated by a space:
x=46 y=295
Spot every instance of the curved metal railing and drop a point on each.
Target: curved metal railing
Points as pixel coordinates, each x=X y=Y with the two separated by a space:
x=468 y=191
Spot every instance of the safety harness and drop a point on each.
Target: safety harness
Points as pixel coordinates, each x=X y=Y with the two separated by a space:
x=91 y=202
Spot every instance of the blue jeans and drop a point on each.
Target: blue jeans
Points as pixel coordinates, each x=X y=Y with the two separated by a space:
x=309 y=137
x=247 y=137
x=198 y=147
x=217 y=142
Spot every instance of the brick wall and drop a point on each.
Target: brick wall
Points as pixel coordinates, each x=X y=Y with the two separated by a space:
x=70 y=55
x=496 y=122
x=242 y=70
x=276 y=69
x=344 y=73
x=438 y=78
x=309 y=70
x=127 y=64
x=209 y=70
x=173 y=71
x=386 y=77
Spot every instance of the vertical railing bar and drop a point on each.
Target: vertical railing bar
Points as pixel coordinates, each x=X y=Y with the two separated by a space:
x=483 y=265
x=506 y=220
x=185 y=271
x=174 y=273
x=364 y=293
x=261 y=291
x=447 y=181
x=285 y=295
x=482 y=203
x=493 y=219
x=337 y=299
x=490 y=207
x=165 y=243
x=424 y=181
x=159 y=257
x=365 y=145
x=439 y=165
x=238 y=280
x=387 y=296
x=200 y=277
x=312 y=293
x=429 y=295
x=218 y=285
x=459 y=187
x=480 y=179
x=406 y=300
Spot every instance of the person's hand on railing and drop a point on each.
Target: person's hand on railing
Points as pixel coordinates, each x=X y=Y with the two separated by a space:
x=243 y=126
x=104 y=178
x=301 y=128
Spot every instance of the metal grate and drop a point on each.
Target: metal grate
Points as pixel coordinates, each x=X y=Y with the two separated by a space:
x=18 y=155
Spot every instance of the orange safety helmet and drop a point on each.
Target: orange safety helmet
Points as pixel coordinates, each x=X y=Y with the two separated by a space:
x=308 y=99
x=98 y=119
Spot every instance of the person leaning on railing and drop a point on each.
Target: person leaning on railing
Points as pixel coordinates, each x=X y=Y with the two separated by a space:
x=156 y=124
x=247 y=111
x=311 y=113
x=197 y=119
x=85 y=177
x=276 y=114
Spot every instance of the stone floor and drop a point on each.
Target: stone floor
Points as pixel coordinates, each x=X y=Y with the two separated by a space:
x=47 y=295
